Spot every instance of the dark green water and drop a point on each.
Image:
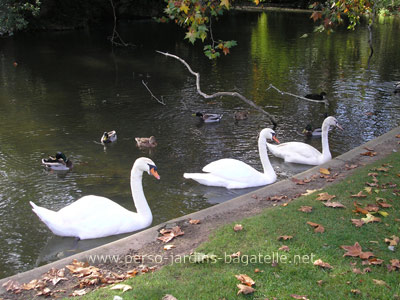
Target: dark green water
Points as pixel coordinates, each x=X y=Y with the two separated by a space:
x=70 y=87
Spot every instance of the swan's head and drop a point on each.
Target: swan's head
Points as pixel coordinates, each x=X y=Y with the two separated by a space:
x=269 y=134
x=331 y=121
x=146 y=165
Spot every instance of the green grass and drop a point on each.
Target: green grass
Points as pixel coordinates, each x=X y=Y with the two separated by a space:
x=259 y=237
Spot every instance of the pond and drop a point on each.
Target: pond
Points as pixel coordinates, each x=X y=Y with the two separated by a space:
x=59 y=91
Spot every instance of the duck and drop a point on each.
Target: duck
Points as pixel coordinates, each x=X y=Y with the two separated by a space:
x=320 y=96
x=302 y=153
x=235 y=174
x=144 y=142
x=109 y=137
x=59 y=162
x=309 y=131
x=209 y=118
x=92 y=217
x=241 y=115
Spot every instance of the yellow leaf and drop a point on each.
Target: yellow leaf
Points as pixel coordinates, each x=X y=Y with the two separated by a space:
x=225 y=3
x=324 y=171
x=383 y=213
x=309 y=192
x=368 y=189
x=370 y=218
x=184 y=8
x=256 y=2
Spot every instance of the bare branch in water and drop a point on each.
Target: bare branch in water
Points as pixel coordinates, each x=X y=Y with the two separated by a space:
x=297 y=96
x=152 y=95
x=219 y=94
x=115 y=35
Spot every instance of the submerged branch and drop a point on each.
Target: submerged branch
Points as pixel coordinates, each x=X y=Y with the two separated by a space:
x=152 y=95
x=115 y=34
x=219 y=94
x=297 y=96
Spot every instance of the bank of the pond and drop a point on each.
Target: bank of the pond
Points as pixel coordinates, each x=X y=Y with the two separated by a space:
x=146 y=245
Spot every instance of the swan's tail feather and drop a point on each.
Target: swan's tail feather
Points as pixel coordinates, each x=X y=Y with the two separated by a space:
x=47 y=216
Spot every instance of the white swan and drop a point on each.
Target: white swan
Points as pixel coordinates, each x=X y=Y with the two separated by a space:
x=93 y=216
x=235 y=174
x=302 y=153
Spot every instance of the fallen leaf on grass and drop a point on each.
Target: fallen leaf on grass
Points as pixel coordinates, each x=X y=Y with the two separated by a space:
x=168 y=297
x=309 y=192
x=284 y=248
x=373 y=261
x=394 y=265
x=394 y=241
x=324 y=171
x=306 y=209
x=169 y=234
x=322 y=264
x=349 y=167
x=245 y=279
x=302 y=297
x=317 y=227
x=383 y=204
x=380 y=282
x=356 y=251
x=370 y=218
x=122 y=287
x=237 y=254
x=355 y=291
x=359 y=195
x=238 y=227
x=277 y=198
x=368 y=153
x=245 y=289
x=368 y=189
x=334 y=204
x=325 y=197
x=357 y=222
x=285 y=237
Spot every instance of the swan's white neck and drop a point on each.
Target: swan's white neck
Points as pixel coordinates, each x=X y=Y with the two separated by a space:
x=139 y=199
x=324 y=139
x=262 y=149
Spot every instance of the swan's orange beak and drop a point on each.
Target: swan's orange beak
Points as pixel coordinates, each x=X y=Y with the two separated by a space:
x=154 y=173
x=276 y=139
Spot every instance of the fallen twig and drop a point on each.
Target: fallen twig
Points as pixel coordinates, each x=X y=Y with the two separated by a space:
x=152 y=95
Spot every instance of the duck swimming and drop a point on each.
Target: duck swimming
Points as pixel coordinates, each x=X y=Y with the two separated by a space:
x=143 y=142
x=109 y=137
x=241 y=115
x=58 y=163
x=209 y=118
x=320 y=96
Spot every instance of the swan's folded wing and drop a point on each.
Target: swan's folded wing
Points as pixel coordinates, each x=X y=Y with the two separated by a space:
x=294 y=149
x=231 y=169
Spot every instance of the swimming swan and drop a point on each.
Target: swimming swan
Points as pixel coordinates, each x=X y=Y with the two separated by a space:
x=235 y=174
x=302 y=153
x=93 y=217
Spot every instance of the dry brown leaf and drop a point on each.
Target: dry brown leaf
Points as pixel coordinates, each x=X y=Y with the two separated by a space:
x=194 y=222
x=122 y=287
x=369 y=218
x=359 y=195
x=284 y=248
x=322 y=264
x=384 y=204
x=394 y=265
x=334 y=204
x=245 y=279
x=306 y=209
x=285 y=237
x=373 y=261
x=238 y=227
x=309 y=192
x=394 y=241
x=168 y=247
x=245 y=289
x=169 y=234
x=237 y=254
x=325 y=197
x=324 y=171
x=356 y=271
x=355 y=291
x=44 y=292
x=350 y=167
x=276 y=198
x=356 y=251
x=319 y=229
x=79 y=293
x=168 y=297
x=357 y=222
x=380 y=282
x=302 y=297
x=368 y=153
x=372 y=207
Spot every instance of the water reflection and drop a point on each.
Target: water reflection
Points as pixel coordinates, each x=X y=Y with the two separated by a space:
x=70 y=87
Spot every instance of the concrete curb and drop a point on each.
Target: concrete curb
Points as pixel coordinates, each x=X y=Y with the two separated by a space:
x=383 y=145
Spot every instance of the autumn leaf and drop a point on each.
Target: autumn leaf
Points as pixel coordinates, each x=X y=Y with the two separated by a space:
x=238 y=227
x=309 y=192
x=245 y=289
x=368 y=190
x=285 y=237
x=295 y=296
x=368 y=153
x=393 y=241
x=394 y=265
x=168 y=247
x=334 y=204
x=324 y=171
x=169 y=234
x=350 y=167
x=277 y=198
x=380 y=282
x=122 y=287
x=318 y=228
x=359 y=195
x=306 y=209
x=370 y=218
x=194 y=222
x=245 y=279
x=225 y=3
x=79 y=293
x=356 y=251
x=237 y=254
x=284 y=248
x=359 y=209
x=384 y=204
x=322 y=264
x=316 y=15
x=168 y=297
x=325 y=197
x=357 y=222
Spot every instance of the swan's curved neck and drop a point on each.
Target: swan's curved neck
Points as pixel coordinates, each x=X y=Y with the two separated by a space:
x=262 y=149
x=324 y=140
x=139 y=199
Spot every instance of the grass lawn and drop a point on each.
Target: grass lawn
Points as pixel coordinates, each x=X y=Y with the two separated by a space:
x=292 y=273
